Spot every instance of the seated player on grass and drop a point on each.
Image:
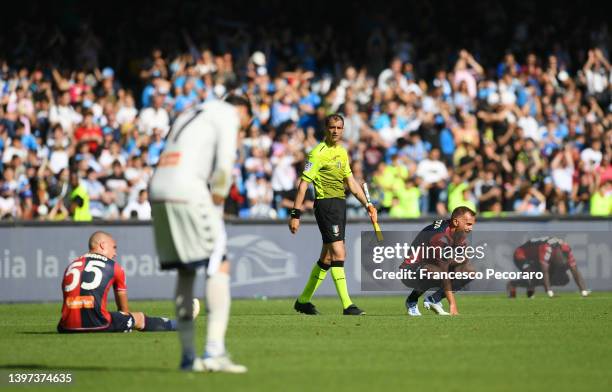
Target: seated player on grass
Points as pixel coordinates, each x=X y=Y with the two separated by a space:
x=85 y=287
x=551 y=256
x=438 y=236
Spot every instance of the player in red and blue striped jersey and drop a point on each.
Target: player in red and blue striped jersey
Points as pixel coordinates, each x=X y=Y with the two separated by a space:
x=553 y=257
x=85 y=286
x=436 y=237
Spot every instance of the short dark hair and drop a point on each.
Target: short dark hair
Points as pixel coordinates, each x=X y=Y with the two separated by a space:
x=334 y=117
x=462 y=210
x=238 y=100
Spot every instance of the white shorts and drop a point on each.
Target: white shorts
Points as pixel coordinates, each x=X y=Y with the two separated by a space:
x=189 y=235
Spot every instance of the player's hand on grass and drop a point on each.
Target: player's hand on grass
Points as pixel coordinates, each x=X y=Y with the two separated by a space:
x=294 y=225
x=453 y=310
x=372 y=212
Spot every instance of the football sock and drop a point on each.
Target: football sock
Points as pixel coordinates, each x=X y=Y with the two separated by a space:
x=460 y=283
x=317 y=275
x=219 y=300
x=155 y=324
x=337 y=271
x=520 y=283
x=438 y=295
x=414 y=296
x=183 y=301
x=457 y=285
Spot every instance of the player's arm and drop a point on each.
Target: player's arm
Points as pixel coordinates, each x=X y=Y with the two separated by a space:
x=546 y=273
x=579 y=281
x=574 y=269
x=120 y=289
x=225 y=157
x=121 y=300
x=545 y=253
x=442 y=241
x=450 y=296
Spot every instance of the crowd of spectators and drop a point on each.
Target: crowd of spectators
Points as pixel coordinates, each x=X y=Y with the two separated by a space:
x=527 y=133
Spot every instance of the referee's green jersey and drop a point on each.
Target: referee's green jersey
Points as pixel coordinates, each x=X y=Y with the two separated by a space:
x=326 y=168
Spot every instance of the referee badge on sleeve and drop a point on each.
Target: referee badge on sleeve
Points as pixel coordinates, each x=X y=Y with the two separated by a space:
x=336 y=230
x=308 y=166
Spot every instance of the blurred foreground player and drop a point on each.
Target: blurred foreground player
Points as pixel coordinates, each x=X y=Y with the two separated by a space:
x=85 y=286
x=188 y=188
x=551 y=256
x=438 y=236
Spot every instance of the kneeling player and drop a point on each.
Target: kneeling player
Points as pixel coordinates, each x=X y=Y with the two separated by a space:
x=436 y=237
x=85 y=287
x=551 y=256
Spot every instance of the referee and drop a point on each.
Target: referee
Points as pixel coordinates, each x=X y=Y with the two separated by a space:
x=328 y=169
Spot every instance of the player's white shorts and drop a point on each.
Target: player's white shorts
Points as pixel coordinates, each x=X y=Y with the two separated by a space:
x=189 y=234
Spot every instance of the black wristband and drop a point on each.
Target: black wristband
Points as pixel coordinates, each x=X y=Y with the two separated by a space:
x=295 y=213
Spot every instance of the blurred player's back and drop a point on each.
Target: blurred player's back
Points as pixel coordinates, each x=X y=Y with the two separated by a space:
x=192 y=149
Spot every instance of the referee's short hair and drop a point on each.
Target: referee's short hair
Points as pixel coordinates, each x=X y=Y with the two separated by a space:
x=334 y=117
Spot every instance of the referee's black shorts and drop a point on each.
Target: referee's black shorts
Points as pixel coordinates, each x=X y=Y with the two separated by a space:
x=331 y=218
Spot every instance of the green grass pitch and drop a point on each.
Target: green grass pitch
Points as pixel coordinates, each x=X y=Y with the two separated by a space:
x=496 y=344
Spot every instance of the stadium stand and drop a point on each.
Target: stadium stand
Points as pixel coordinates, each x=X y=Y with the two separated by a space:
x=504 y=107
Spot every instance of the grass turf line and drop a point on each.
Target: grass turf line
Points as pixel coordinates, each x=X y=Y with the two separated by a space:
x=496 y=344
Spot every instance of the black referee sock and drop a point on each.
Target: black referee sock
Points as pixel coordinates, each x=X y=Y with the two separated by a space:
x=157 y=324
x=323 y=266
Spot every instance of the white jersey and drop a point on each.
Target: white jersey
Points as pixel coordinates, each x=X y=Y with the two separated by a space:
x=200 y=152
